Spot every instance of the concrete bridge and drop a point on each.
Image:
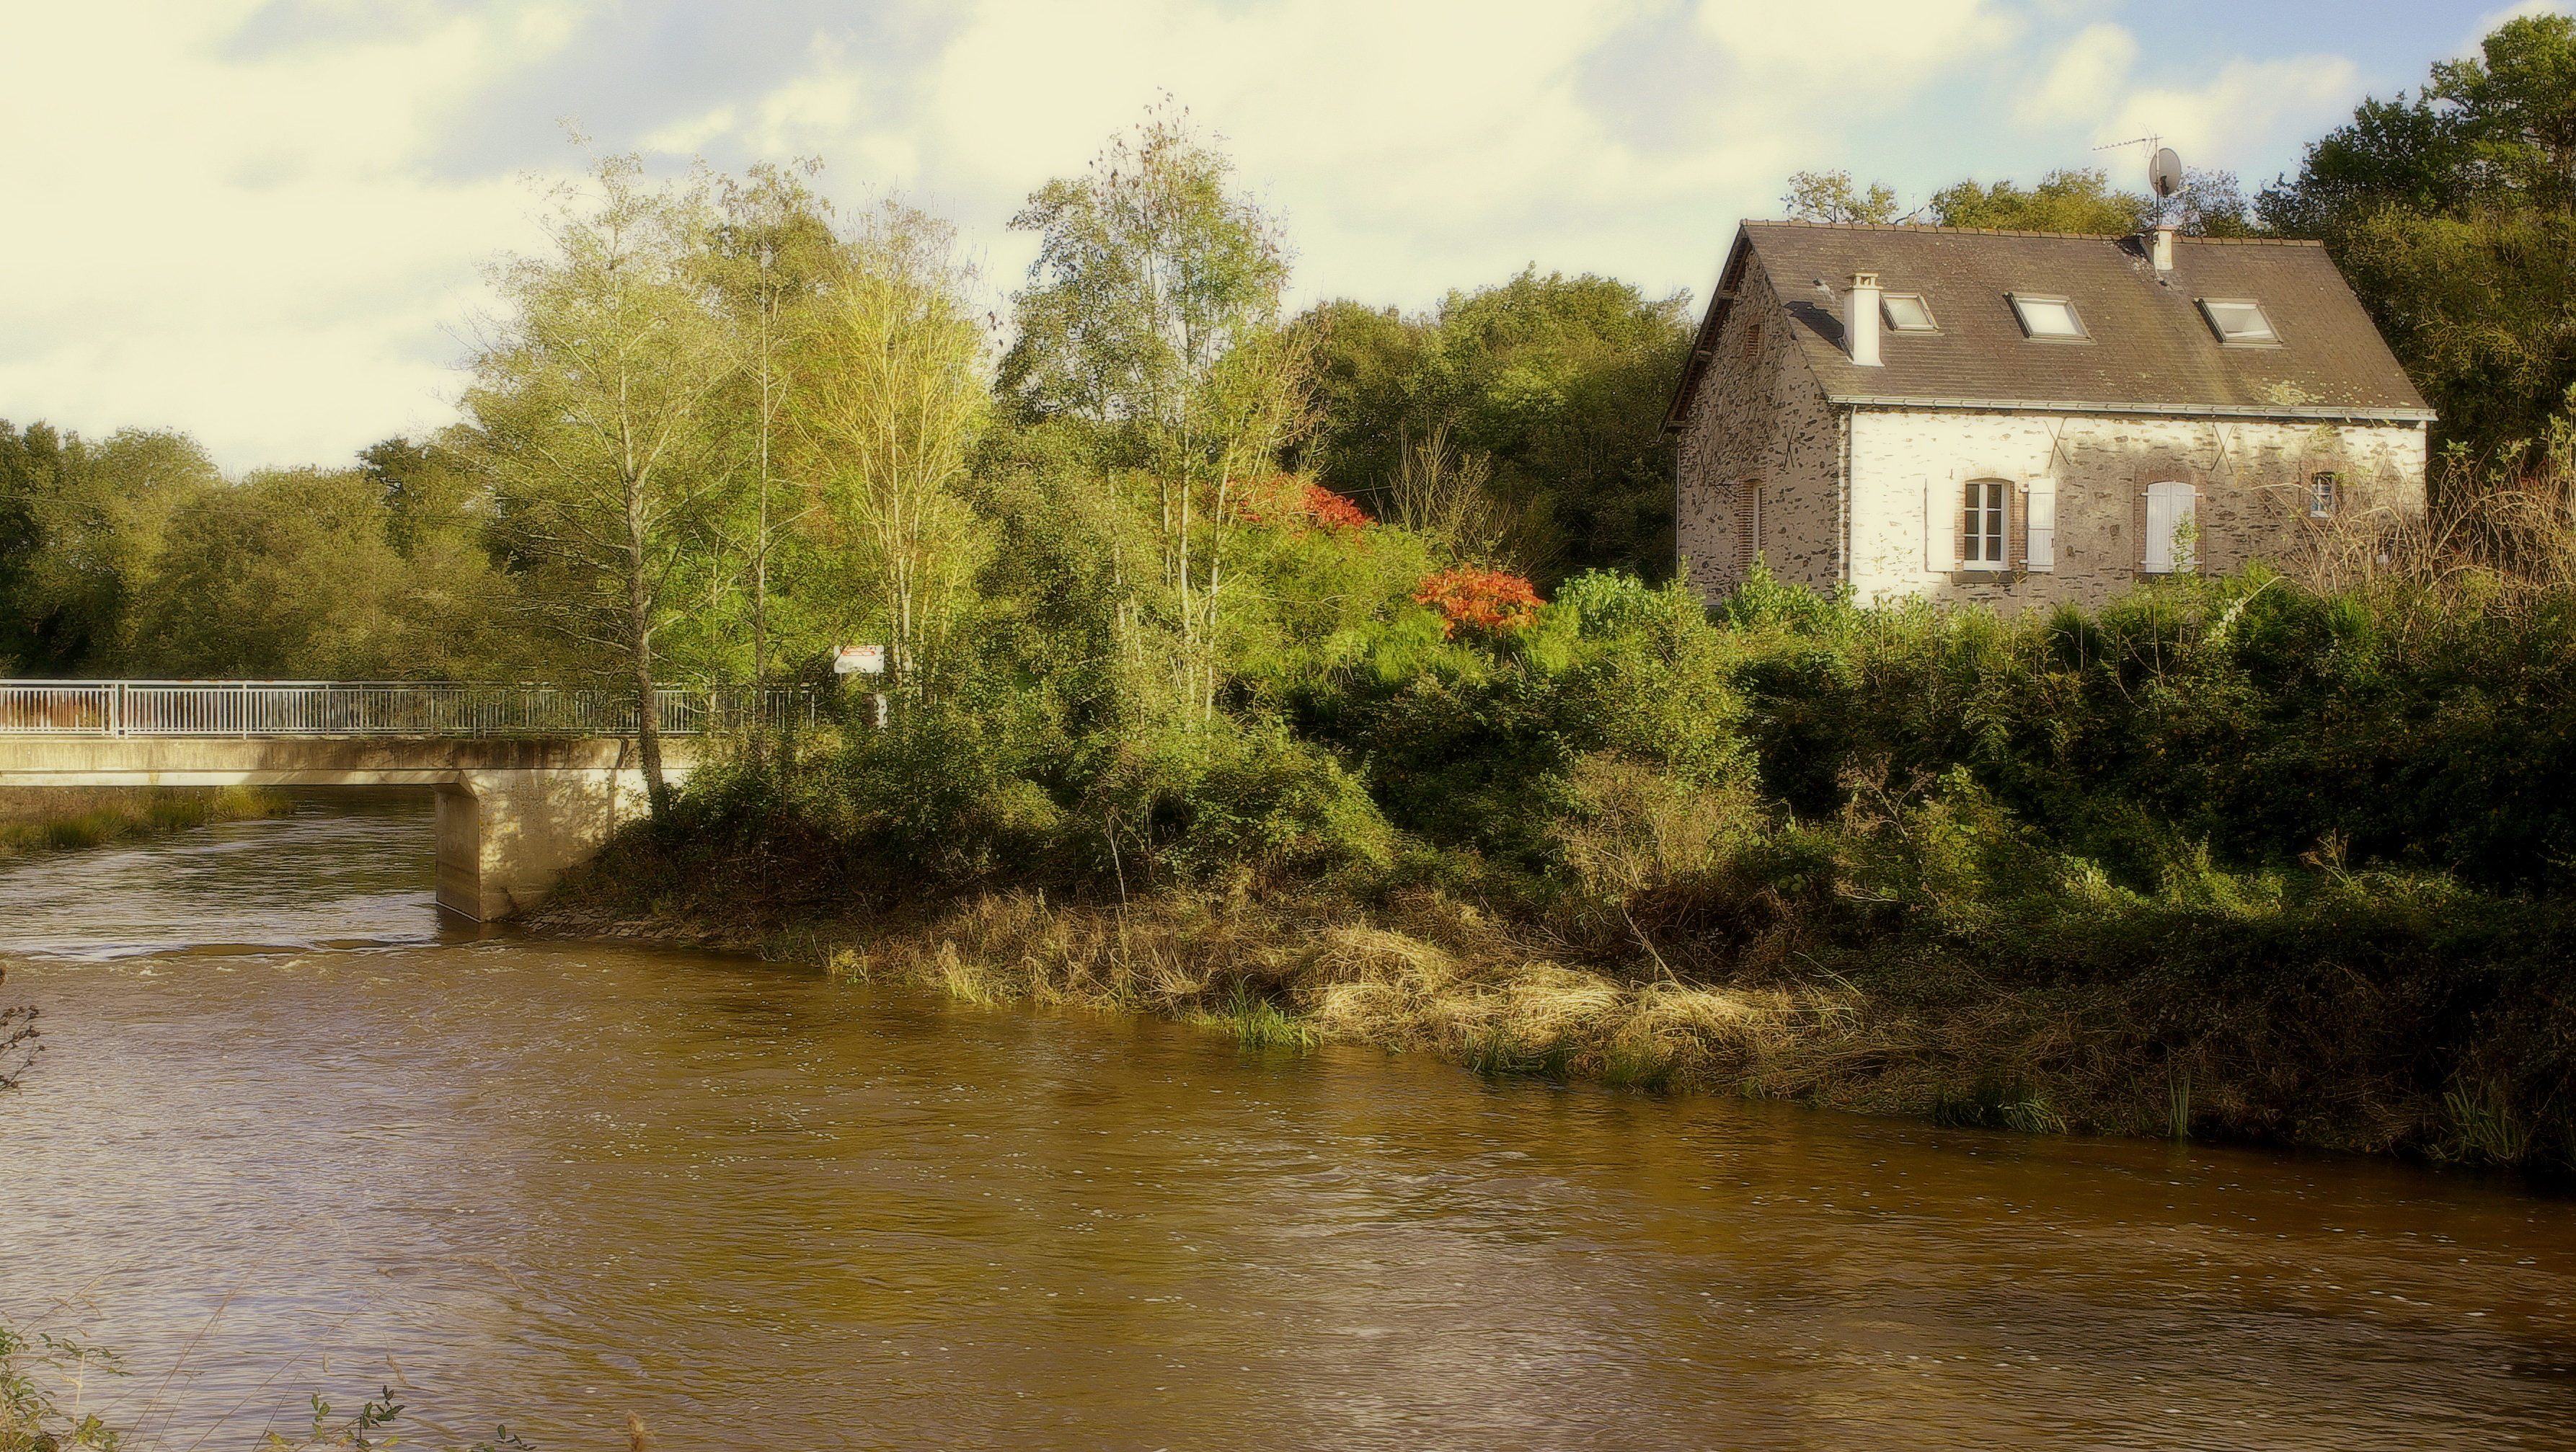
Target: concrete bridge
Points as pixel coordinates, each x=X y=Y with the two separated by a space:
x=530 y=780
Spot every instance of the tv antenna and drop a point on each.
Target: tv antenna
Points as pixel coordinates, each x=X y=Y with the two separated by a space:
x=2164 y=168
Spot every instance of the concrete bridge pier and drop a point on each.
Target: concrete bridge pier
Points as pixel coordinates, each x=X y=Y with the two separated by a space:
x=506 y=834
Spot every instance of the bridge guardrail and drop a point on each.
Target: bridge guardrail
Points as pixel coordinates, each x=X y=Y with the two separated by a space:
x=379 y=708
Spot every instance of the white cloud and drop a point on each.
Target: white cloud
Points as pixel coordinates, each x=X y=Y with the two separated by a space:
x=268 y=246
x=1863 y=53
x=2241 y=111
x=1414 y=146
x=243 y=248
x=2088 y=68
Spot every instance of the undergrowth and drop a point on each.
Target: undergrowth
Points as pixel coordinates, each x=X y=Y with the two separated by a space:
x=2237 y=858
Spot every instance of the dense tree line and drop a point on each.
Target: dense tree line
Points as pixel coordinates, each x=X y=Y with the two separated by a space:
x=722 y=429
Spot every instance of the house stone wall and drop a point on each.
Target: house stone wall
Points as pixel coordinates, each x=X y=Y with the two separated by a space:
x=1759 y=418
x=1910 y=465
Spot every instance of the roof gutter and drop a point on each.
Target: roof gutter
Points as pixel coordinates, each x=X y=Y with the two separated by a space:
x=2186 y=410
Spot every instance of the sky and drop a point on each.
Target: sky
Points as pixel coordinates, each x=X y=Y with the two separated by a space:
x=268 y=223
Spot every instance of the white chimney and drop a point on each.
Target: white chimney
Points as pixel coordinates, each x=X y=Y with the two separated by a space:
x=2163 y=253
x=1860 y=319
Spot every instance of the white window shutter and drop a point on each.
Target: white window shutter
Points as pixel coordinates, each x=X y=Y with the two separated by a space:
x=2170 y=506
x=1941 y=506
x=2039 y=530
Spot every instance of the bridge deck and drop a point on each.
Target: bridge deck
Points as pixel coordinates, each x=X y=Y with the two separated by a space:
x=30 y=760
x=379 y=708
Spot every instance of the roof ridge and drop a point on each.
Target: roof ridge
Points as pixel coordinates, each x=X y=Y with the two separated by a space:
x=2022 y=232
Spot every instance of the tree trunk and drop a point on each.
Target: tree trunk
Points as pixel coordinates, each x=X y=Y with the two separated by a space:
x=639 y=641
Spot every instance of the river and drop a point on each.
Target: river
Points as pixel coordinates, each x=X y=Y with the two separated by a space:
x=293 y=1134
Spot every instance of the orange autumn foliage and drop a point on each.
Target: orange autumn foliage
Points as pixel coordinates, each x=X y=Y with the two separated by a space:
x=1283 y=497
x=1482 y=600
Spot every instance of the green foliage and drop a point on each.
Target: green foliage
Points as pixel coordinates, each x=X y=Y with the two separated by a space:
x=434 y=502
x=1999 y=1103
x=35 y=1367
x=1546 y=393
x=296 y=572
x=2063 y=201
x=1149 y=272
x=2451 y=215
x=593 y=412
x=1258 y=1023
x=82 y=526
x=1830 y=196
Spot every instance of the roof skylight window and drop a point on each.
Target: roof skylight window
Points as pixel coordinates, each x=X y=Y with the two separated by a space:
x=2051 y=318
x=1907 y=312
x=2238 y=320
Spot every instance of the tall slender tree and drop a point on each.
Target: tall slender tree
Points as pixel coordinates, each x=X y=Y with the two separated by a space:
x=1152 y=320
x=889 y=392
x=772 y=249
x=592 y=405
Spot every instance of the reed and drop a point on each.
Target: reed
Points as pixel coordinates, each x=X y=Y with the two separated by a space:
x=70 y=818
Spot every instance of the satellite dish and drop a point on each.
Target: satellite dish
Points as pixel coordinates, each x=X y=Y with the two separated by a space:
x=2165 y=173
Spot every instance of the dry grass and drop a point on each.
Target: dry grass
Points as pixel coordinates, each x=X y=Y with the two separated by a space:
x=2497 y=540
x=1428 y=974
x=1431 y=975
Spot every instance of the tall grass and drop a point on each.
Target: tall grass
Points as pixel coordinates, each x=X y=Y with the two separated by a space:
x=65 y=818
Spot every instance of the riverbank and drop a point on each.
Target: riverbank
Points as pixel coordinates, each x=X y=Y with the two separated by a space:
x=36 y=819
x=2373 y=1020
x=2234 y=858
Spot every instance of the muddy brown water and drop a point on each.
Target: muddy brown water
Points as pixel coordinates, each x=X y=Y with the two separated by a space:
x=293 y=1134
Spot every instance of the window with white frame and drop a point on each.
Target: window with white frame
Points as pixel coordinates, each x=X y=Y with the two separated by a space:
x=2049 y=319
x=2239 y=321
x=1983 y=525
x=2322 y=490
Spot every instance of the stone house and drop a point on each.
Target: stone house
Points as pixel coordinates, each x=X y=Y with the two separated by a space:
x=2025 y=419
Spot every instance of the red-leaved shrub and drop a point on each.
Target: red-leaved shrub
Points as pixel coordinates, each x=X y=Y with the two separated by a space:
x=1482 y=600
x=1332 y=511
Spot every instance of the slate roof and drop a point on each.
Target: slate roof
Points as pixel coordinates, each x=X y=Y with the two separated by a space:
x=2151 y=349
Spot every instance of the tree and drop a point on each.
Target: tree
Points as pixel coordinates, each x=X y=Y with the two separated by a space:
x=294 y=573
x=1151 y=323
x=593 y=413
x=2516 y=110
x=1829 y=196
x=81 y=525
x=772 y=249
x=430 y=493
x=888 y=397
x=2064 y=201
x=1527 y=416
x=2454 y=217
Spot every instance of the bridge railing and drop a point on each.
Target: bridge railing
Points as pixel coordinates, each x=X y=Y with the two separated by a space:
x=379 y=708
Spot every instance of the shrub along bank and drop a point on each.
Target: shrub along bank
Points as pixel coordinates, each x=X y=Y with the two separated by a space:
x=2231 y=858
